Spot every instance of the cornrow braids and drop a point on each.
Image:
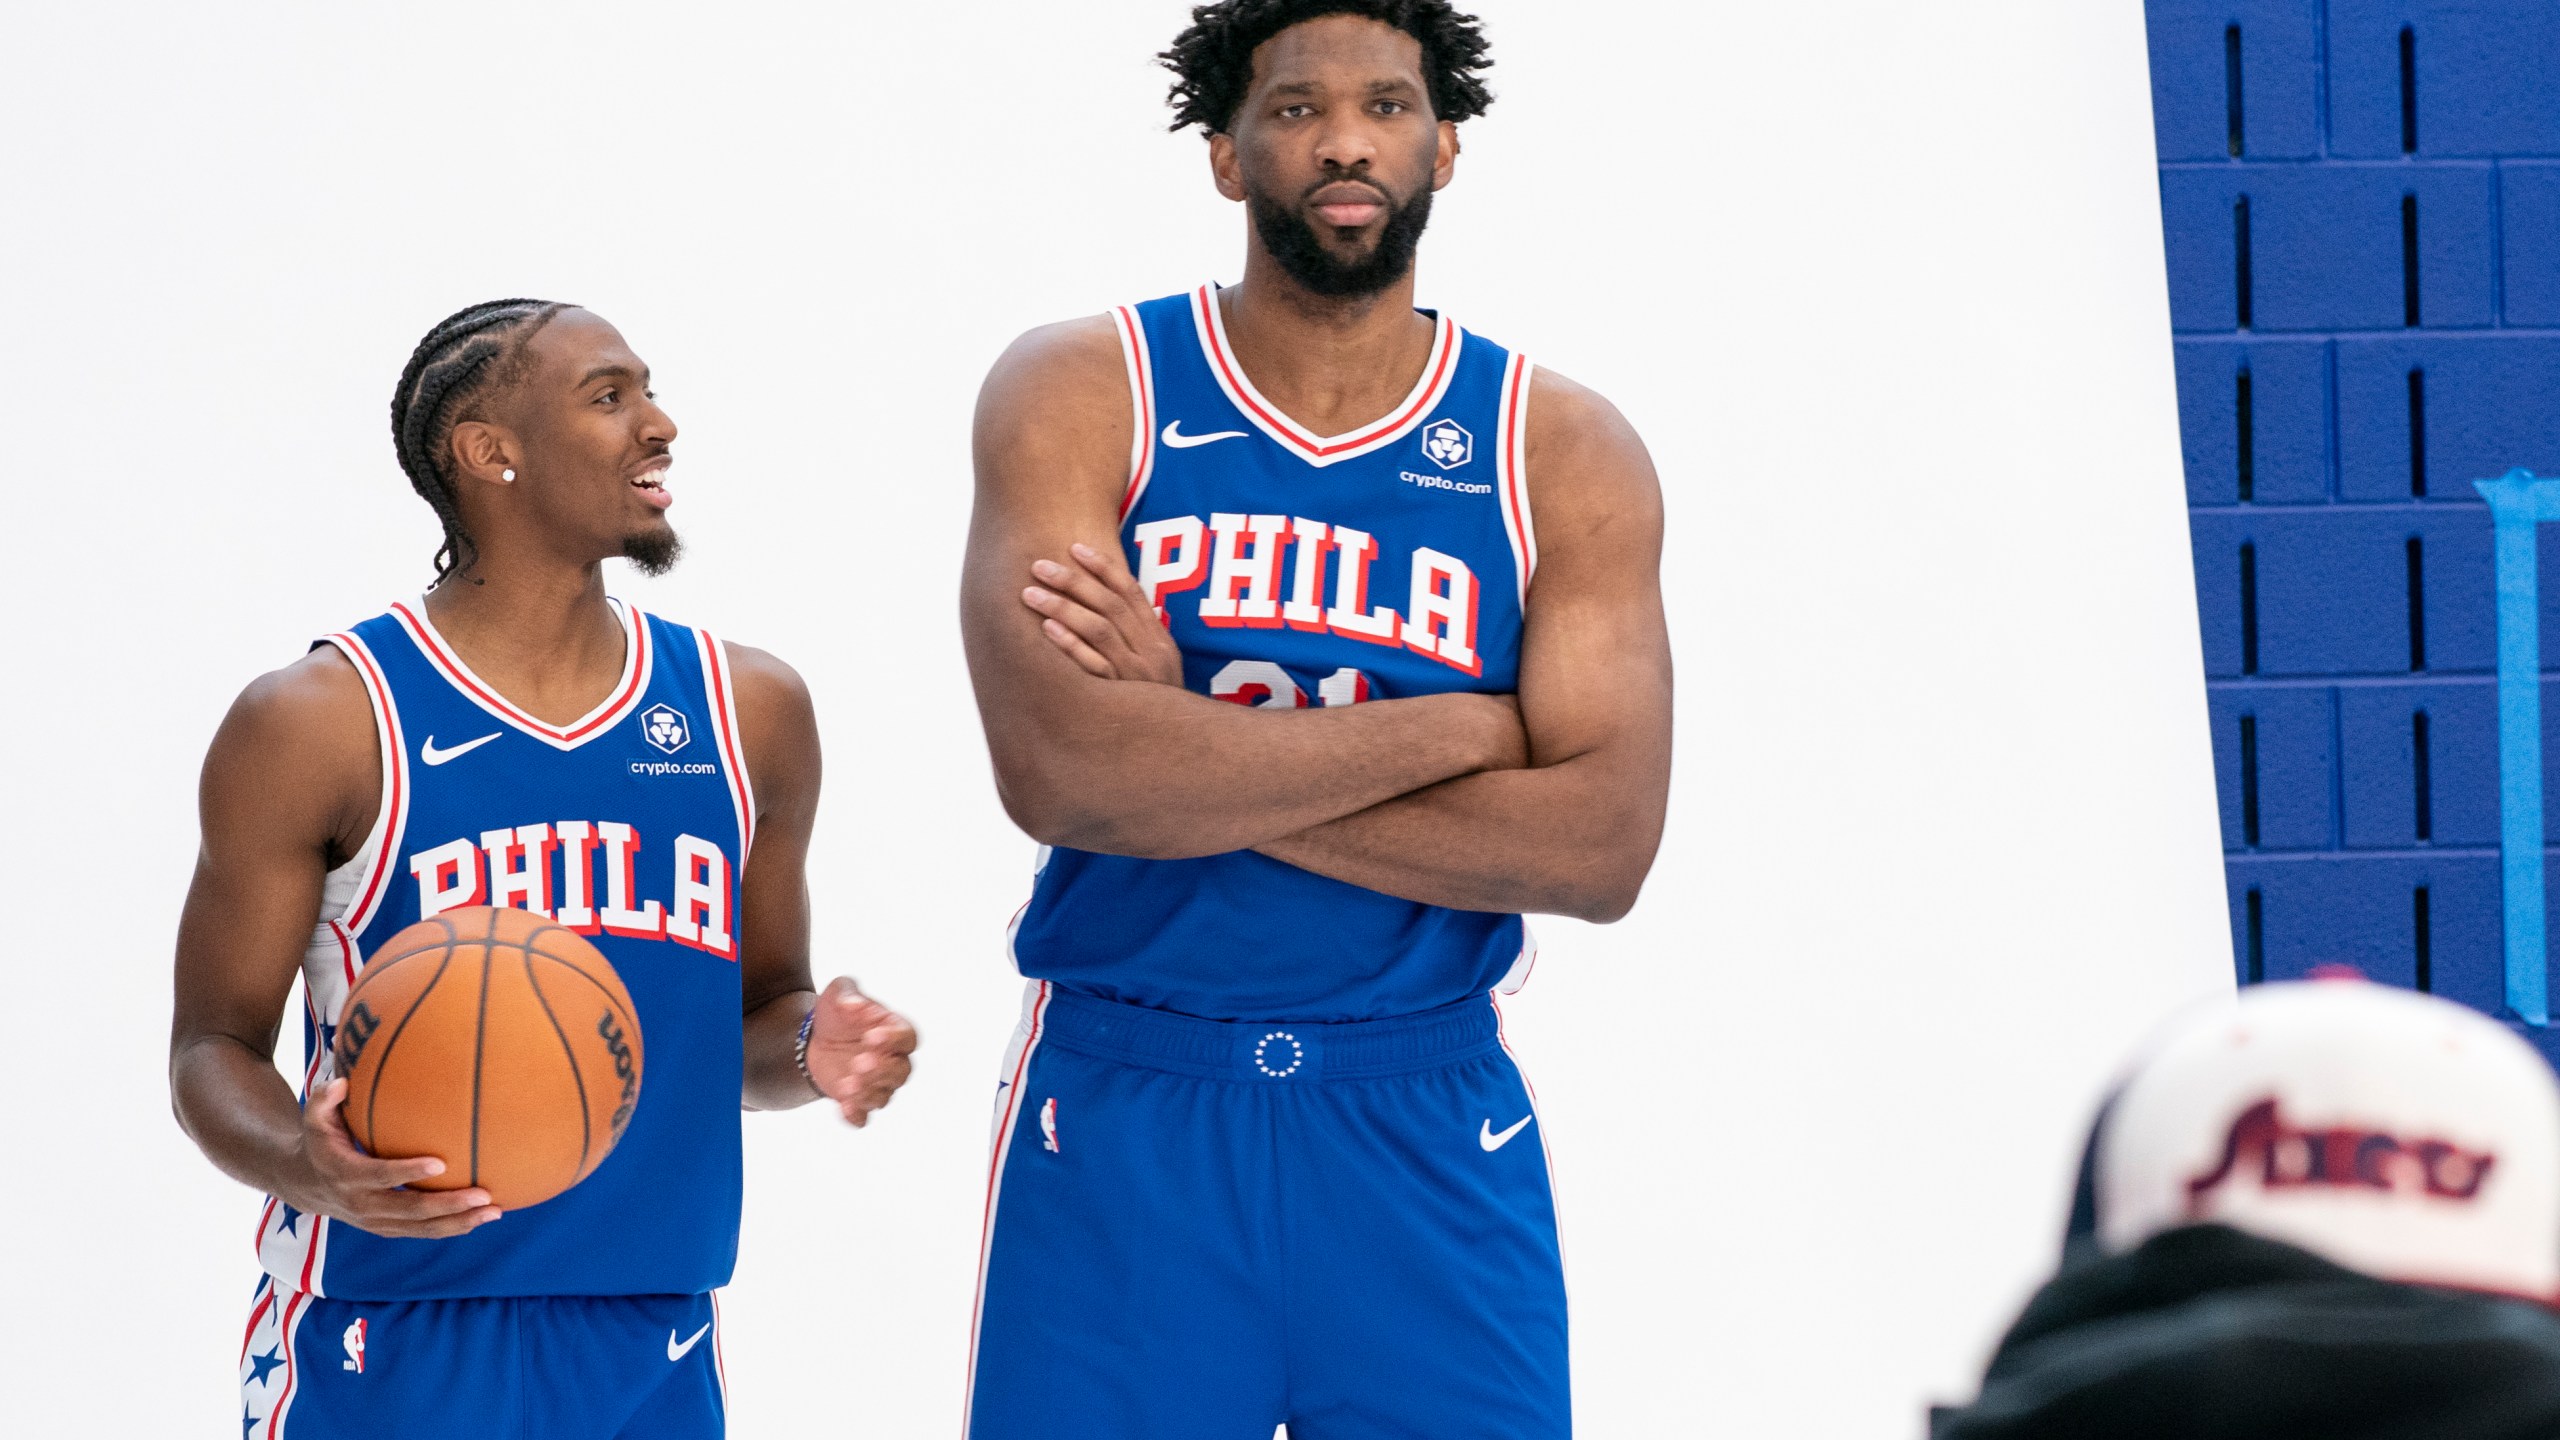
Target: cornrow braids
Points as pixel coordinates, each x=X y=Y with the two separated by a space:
x=1212 y=62
x=466 y=355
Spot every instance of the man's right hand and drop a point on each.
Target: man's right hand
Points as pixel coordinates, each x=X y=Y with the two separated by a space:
x=344 y=1183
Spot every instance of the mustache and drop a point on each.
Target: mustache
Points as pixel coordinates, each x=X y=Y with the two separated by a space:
x=1334 y=180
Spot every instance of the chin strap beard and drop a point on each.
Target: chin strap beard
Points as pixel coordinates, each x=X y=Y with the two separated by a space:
x=1291 y=239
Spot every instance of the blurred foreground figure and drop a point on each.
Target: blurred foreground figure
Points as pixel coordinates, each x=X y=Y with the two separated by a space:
x=2331 y=1209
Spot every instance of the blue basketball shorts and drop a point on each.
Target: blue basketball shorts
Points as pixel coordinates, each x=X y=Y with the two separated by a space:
x=582 y=1367
x=1199 y=1231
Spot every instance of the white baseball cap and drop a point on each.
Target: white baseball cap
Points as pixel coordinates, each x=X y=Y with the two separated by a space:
x=2392 y=1132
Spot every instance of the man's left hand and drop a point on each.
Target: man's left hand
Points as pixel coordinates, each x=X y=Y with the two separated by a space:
x=1093 y=610
x=859 y=1050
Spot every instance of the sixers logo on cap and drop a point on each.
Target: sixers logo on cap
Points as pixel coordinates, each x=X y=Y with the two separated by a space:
x=2348 y=1157
x=2388 y=1131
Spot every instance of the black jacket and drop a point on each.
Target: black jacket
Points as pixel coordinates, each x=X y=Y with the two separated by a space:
x=2210 y=1332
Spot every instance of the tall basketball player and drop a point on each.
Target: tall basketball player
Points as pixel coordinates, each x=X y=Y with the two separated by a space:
x=516 y=738
x=1307 y=709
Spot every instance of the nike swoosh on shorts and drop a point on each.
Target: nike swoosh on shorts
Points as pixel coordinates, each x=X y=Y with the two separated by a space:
x=676 y=1351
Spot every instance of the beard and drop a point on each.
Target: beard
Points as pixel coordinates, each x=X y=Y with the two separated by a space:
x=653 y=552
x=1290 y=236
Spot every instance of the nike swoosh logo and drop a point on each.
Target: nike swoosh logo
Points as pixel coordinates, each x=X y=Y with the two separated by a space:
x=1174 y=437
x=433 y=756
x=1492 y=1141
x=676 y=1351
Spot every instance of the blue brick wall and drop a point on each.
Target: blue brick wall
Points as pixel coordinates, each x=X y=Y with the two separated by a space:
x=2362 y=203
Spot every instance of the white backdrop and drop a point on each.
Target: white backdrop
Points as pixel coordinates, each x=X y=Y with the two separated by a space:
x=1880 y=284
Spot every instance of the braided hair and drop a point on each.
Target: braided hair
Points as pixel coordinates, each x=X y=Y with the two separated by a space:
x=469 y=353
x=1212 y=62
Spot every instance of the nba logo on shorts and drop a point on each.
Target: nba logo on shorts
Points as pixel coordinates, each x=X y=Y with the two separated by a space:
x=1448 y=444
x=354 y=1341
x=665 y=727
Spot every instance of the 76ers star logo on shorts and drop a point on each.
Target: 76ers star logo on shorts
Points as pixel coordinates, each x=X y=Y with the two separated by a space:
x=1448 y=444
x=665 y=727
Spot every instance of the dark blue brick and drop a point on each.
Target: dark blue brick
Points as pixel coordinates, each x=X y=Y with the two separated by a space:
x=2379 y=779
x=2492 y=404
x=2483 y=73
x=2333 y=589
x=2289 y=406
x=2361 y=911
x=2325 y=245
x=2462 y=589
x=2529 y=217
x=2294 y=739
x=2279 y=70
x=2544 y=1039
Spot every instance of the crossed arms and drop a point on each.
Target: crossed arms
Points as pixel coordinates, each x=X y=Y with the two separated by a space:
x=1550 y=802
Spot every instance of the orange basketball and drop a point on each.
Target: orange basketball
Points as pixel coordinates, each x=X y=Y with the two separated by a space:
x=497 y=1042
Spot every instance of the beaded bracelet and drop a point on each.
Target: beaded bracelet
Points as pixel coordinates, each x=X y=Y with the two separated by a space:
x=800 y=1051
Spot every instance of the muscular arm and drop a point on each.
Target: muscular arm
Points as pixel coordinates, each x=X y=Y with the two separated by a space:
x=1148 y=770
x=779 y=730
x=290 y=787
x=1575 y=832
x=857 y=1048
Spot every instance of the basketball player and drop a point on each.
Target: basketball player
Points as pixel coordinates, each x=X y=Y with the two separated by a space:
x=1260 y=1156
x=517 y=738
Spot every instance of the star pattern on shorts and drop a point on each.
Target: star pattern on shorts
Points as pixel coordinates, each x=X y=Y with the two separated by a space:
x=292 y=1217
x=248 y=1422
x=261 y=1364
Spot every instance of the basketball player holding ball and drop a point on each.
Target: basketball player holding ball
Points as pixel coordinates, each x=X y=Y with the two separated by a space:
x=516 y=739
x=1307 y=709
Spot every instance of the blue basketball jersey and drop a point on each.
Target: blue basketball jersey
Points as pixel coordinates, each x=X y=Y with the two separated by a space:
x=630 y=826
x=1297 y=570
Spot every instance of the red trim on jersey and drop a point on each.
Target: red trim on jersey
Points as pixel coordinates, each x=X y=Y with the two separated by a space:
x=395 y=762
x=1142 y=396
x=1426 y=396
x=732 y=746
x=1512 y=455
x=635 y=678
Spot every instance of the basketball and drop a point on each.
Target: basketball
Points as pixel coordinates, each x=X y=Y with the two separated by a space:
x=496 y=1041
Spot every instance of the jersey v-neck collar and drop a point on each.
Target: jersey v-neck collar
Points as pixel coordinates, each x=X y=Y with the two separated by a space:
x=637 y=663
x=1322 y=450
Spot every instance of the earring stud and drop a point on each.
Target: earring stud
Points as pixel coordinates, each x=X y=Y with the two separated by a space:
x=507 y=475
